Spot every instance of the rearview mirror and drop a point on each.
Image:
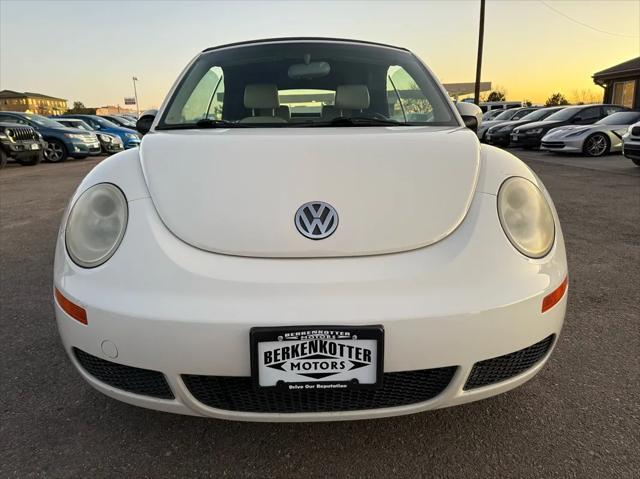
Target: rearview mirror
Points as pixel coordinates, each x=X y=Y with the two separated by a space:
x=471 y=114
x=309 y=70
x=143 y=125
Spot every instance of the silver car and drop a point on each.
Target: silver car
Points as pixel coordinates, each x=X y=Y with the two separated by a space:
x=600 y=138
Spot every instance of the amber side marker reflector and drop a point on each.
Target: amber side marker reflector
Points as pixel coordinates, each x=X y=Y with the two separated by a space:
x=556 y=295
x=72 y=309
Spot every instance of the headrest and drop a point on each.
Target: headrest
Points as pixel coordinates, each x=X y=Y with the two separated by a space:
x=329 y=112
x=283 y=112
x=351 y=97
x=261 y=95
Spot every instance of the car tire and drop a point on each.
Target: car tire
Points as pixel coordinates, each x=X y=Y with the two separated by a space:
x=55 y=152
x=596 y=145
x=30 y=161
x=636 y=161
x=3 y=159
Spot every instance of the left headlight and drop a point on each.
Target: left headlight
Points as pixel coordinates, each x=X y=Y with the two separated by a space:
x=526 y=217
x=133 y=136
x=106 y=138
x=96 y=225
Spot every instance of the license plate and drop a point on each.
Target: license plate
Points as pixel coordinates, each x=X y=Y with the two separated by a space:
x=317 y=357
x=514 y=137
x=35 y=146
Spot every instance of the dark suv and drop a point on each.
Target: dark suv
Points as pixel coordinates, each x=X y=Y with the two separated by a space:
x=530 y=135
x=21 y=143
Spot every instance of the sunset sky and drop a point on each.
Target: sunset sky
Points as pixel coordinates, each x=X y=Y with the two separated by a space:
x=88 y=51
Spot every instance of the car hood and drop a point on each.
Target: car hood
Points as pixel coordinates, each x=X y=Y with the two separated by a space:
x=236 y=191
x=586 y=129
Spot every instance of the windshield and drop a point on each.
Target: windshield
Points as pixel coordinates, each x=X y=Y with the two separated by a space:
x=77 y=124
x=43 y=121
x=125 y=121
x=539 y=114
x=564 y=114
x=507 y=114
x=306 y=84
x=620 y=118
x=104 y=123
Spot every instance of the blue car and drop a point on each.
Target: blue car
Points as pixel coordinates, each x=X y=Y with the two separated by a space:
x=130 y=138
x=61 y=142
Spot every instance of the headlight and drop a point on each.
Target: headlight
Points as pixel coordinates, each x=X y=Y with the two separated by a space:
x=133 y=136
x=4 y=134
x=96 y=225
x=526 y=217
x=106 y=138
x=534 y=131
x=74 y=135
x=504 y=129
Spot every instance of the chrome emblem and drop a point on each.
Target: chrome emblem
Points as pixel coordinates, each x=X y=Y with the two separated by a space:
x=316 y=220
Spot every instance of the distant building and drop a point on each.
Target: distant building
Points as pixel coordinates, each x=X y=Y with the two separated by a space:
x=114 y=110
x=621 y=83
x=29 y=102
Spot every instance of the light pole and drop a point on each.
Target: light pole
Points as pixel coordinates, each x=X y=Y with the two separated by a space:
x=476 y=98
x=135 y=93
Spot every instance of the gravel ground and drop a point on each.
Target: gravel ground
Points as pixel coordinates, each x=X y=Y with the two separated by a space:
x=579 y=417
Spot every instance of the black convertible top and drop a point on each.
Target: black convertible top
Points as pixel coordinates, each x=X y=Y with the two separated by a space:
x=288 y=39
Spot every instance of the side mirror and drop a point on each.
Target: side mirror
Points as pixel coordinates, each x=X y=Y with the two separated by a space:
x=143 y=125
x=471 y=114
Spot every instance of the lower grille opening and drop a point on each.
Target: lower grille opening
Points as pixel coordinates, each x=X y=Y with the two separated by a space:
x=498 y=369
x=238 y=394
x=128 y=378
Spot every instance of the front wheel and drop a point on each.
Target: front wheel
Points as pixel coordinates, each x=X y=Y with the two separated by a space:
x=596 y=145
x=636 y=161
x=3 y=159
x=55 y=152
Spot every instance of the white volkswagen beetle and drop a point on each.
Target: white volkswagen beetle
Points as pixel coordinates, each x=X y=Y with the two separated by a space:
x=309 y=232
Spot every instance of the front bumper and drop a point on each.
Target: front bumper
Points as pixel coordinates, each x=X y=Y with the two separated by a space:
x=631 y=149
x=131 y=143
x=183 y=311
x=498 y=138
x=525 y=141
x=20 y=149
x=562 y=145
x=81 y=149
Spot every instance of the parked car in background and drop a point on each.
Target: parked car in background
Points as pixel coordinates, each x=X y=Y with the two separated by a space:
x=498 y=105
x=500 y=135
x=506 y=115
x=61 y=142
x=120 y=121
x=20 y=143
x=530 y=135
x=109 y=142
x=631 y=143
x=604 y=136
x=130 y=138
x=490 y=115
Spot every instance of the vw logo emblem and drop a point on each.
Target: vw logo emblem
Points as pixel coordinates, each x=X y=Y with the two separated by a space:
x=316 y=220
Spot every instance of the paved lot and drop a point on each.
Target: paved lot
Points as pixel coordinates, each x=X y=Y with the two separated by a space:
x=580 y=417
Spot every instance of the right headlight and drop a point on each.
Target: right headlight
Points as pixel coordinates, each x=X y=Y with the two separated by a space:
x=526 y=217
x=96 y=225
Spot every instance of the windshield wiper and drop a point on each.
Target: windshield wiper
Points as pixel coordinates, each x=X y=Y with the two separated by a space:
x=203 y=123
x=210 y=123
x=354 y=121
